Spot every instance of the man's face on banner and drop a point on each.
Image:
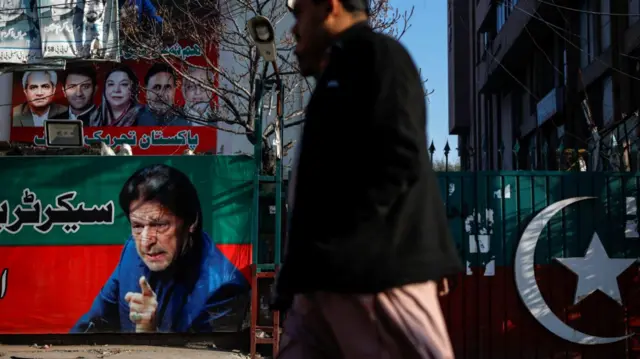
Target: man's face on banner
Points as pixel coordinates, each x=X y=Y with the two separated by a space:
x=39 y=91
x=10 y=9
x=194 y=92
x=157 y=232
x=79 y=91
x=161 y=92
x=93 y=10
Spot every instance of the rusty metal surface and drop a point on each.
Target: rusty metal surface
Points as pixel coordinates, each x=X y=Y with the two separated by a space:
x=114 y=352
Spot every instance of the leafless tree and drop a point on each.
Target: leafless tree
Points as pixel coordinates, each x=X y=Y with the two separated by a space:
x=210 y=24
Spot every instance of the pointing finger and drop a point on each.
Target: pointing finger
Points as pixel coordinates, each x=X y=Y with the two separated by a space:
x=145 y=287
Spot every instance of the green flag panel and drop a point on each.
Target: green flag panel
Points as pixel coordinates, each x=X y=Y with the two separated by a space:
x=74 y=200
x=489 y=211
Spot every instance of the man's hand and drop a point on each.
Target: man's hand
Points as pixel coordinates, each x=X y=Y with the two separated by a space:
x=445 y=287
x=142 y=307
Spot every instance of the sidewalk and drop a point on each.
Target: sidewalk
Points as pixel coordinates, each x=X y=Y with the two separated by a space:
x=114 y=352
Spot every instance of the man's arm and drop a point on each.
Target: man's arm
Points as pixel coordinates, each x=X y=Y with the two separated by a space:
x=228 y=299
x=103 y=316
x=222 y=309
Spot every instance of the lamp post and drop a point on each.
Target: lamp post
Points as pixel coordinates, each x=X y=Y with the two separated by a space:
x=263 y=35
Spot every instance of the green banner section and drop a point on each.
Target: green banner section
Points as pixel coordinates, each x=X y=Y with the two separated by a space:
x=74 y=200
x=488 y=212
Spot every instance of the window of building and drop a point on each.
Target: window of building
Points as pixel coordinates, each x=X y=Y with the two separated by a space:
x=503 y=11
x=607 y=101
x=605 y=25
x=565 y=67
x=500 y=15
x=485 y=42
x=587 y=33
x=544 y=72
x=634 y=11
x=595 y=29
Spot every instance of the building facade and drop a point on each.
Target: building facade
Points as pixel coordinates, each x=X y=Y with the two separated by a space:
x=530 y=79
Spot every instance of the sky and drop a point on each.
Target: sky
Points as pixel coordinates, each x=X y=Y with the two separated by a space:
x=426 y=40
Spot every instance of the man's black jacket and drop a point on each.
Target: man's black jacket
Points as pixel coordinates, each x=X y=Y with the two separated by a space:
x=368 y=214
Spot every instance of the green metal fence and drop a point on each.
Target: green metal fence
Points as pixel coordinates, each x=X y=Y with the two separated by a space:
x=488 y=212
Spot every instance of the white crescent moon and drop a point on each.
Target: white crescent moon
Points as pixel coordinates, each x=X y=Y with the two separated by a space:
x=528 y=287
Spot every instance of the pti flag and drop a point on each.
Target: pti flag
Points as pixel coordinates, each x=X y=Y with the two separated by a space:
x=19 y=32
x=86 y=29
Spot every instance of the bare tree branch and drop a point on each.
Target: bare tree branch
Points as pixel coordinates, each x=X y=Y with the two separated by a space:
x=208 y=25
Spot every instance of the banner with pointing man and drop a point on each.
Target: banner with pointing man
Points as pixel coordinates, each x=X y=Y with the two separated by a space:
x=150 y=252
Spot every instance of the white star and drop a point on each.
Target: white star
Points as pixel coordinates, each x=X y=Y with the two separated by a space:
x=596 y=271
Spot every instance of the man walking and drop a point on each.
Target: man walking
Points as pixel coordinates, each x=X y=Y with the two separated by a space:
x=367 y=242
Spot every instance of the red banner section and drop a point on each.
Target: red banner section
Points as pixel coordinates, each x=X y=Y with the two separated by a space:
x=68 y=287
x=57 y=292
x=146 y=103
x=170 y=140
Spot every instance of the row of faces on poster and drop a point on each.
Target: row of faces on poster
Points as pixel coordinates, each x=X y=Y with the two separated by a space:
x=115 y=101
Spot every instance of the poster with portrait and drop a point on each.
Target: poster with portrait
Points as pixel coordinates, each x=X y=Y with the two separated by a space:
x=19 y=32
x=173 y=258
x=79 y=29
x=146 y=104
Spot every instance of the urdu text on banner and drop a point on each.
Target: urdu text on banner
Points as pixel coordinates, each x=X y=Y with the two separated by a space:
x=19 y=32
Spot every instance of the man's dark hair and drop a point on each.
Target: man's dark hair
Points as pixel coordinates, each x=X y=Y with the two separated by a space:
x=157 y=68
x=170 y=188
x=353 y=5
x=85 y=70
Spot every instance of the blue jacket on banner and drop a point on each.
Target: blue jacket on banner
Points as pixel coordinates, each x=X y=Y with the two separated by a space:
x=201 y=289
x=144 y=7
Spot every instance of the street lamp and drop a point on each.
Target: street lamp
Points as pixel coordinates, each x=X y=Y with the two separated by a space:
x=263 y=35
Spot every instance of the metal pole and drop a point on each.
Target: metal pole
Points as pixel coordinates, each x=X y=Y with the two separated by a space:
x=279 y=129
x=257 y=156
